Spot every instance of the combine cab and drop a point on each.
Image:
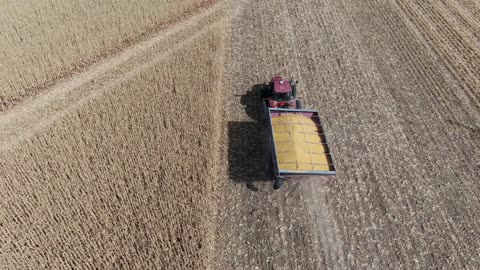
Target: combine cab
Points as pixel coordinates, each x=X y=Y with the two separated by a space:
x=295 y=137
x=281 y=93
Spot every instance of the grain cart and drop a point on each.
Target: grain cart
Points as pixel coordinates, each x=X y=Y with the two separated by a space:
x=295 y=137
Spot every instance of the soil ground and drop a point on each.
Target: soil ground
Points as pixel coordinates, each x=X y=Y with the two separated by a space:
x=397 y=85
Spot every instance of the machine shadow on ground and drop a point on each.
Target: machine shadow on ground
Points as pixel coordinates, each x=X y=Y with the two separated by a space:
x=252 y=102
x=247 y=149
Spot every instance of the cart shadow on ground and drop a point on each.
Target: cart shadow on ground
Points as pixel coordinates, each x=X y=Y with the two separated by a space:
x=247 y=150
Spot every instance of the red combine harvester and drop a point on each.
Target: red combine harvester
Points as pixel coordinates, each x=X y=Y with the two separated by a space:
x=281 y=93
x=296 y=141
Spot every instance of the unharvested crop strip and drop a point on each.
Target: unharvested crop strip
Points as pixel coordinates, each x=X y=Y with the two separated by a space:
x=27 y=118
x=48 y=51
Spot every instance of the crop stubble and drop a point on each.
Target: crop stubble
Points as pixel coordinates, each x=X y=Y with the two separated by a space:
x=121 y=179
x=396 y=83
x=44 y=41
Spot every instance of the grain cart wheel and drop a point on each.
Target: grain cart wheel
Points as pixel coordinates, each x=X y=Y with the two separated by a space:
x=278 y=183
x=294 y=90
x=299 y=104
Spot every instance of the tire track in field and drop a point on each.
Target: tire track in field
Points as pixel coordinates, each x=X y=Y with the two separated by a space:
x=469 y=24
x=349 y=59
x=30 y=116
x=471 y=8
x=327 y=241
x=293 y=228
x=348 y=56
x=323 y=31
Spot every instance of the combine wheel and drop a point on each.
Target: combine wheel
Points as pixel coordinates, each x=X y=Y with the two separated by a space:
x=299 y=104
x=294 y=91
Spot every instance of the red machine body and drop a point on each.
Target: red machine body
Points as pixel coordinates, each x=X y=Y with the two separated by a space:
x=281 y=93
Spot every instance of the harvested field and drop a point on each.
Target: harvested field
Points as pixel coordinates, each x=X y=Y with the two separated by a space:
x=397 y=84
x=120 y=177
x=43 y=41
x=108 y=169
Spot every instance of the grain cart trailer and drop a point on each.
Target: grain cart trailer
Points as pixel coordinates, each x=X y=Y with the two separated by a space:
x=297 y=144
